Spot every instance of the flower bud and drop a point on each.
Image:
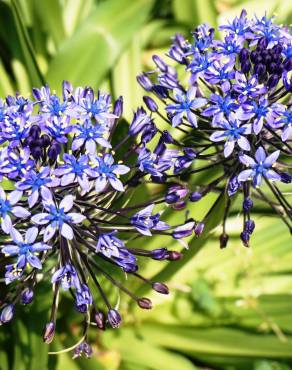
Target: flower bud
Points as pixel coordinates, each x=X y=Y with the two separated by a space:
x=114 y=318
x=159 y=254
x=160 y=288
x=244 y=236
x=49 y=332
x=247 y=204
x=199 y=228
x=35 y=131
x=173 y=256
x=286 y=178
x=118 y=107
x=150 y=104
x=195 y=196
x=184 y=230
x=100 y=320
x=223 y=240
x=7 y=313
x=144 y=303
x=160 y=63
x=249 y=226
x=27 y=296
x=145 y=82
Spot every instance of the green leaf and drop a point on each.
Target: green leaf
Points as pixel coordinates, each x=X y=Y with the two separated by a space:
x=28 y=52
x=87 y=56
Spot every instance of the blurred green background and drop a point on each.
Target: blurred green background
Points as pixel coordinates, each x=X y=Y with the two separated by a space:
x=228 y=309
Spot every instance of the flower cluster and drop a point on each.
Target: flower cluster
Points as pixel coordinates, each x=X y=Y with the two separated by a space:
x=64 y=201
x=229 y=101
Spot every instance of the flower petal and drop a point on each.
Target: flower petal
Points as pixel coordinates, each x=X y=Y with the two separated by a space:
x=31 y=235
x=67 y=231
x=67 y=203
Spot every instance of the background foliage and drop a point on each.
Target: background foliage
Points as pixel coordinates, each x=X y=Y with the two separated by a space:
x=229 y=309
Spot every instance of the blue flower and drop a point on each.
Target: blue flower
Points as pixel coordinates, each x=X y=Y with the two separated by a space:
x=112 y=247
x=106 y=171
x=232 y=132
x=58 y=218
x=97 y=108
x=186 y=104
x=90 y=135
x=58 y=128
x=239 y=26
x=15 y=164
x=259 y=111
x=75 y=170
x=144 y=221
x=247 y=88
x=220 y=73
x=25 y=248
x=36 y=182
x=221 y=107
x=259 y=167
x=8 y=208
x=67 y=276
x=199 y=64
x=284 y=122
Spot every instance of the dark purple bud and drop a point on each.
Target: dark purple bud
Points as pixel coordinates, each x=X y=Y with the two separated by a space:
x=100 y=320
x=150 y=104
x=35 y=131
x=27 y=296
x=249 y=226
x=159 y=179
x=46 y=141
x=199 y=228
x=174 y=256
x=83 y=348
x=280 y=69
x=268 y=60
x=223 y=240
x=254 y=55
x=36 y=93
x=149 y=132
x=175 y=193
x=118 y=107
x=144 y=303
x=160 y=148
x=145 y=82
x=36 y=152
x=160 y=63
x=171 y=198
x=246 y=66
x=288 y=64
x=277 y=49
x=7 y=313
x=140 y=121
x=273 y=81
x=272 y=67
x=190 y=153
x=67 y=89
x=160 y=288
x=54 y=151
x=243 y=55
x=159 y=254
x=247 y=204
x=29 y=141
x=195 y=196
x=82 y=308
x=244 y=236
x=49 y=332
x=179 y=205
x=184 y=230
x=286 y=178
x=260 y=69
x=233 y=186
x=114 y=318
x=263 y=42
x=167 y=138
x=161 y=91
